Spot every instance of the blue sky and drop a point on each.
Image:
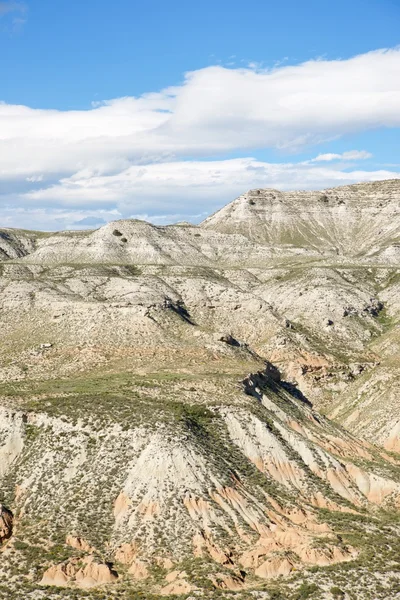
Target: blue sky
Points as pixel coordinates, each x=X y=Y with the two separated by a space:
x=168 y=110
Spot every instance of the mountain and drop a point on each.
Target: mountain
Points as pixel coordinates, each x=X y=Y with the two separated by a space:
x=202 y=411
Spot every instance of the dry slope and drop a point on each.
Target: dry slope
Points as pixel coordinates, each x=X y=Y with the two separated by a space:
x=159 y=398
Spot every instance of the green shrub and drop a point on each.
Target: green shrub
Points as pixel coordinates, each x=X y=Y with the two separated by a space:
x=337 y=593
x=306 y=590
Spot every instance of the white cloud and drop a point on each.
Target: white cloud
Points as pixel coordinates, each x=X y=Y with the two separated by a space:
x=54 y=219
x=214 y=110
x=131 y=154
x=184 y=190
x=350 y=155
x=34 y=178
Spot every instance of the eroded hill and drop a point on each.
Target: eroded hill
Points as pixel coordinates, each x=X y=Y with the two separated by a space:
x=205 y=411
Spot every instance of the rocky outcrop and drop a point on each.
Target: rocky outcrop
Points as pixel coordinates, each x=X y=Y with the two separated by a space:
x=138 y=570
x=79 y=544
x=233 y=583
x=127 y=554
x=274 y=567
x=6 y=523
x=227 y=338
x=254 y=383
x=86 y=573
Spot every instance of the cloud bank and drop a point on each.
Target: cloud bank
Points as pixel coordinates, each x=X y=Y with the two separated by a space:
x=157 y=152
x=351 y=155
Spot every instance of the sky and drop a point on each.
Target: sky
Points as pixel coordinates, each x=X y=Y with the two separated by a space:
x=166 y=111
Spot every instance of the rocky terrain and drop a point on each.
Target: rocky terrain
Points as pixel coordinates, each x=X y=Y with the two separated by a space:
x=205 y=411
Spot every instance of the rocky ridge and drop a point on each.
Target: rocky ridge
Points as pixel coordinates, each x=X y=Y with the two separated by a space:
x=357 y=220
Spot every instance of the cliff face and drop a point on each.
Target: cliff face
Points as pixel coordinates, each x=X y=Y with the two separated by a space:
x=164 y=403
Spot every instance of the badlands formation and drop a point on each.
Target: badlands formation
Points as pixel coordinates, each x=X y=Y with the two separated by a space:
x=205 y=411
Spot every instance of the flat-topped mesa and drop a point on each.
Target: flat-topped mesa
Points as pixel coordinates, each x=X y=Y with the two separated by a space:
x=361 y=219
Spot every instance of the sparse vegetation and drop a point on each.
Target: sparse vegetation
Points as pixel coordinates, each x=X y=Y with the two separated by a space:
x=132 y=427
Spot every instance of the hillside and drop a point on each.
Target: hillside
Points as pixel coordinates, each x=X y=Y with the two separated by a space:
x=205 y=411
x=357 y=220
